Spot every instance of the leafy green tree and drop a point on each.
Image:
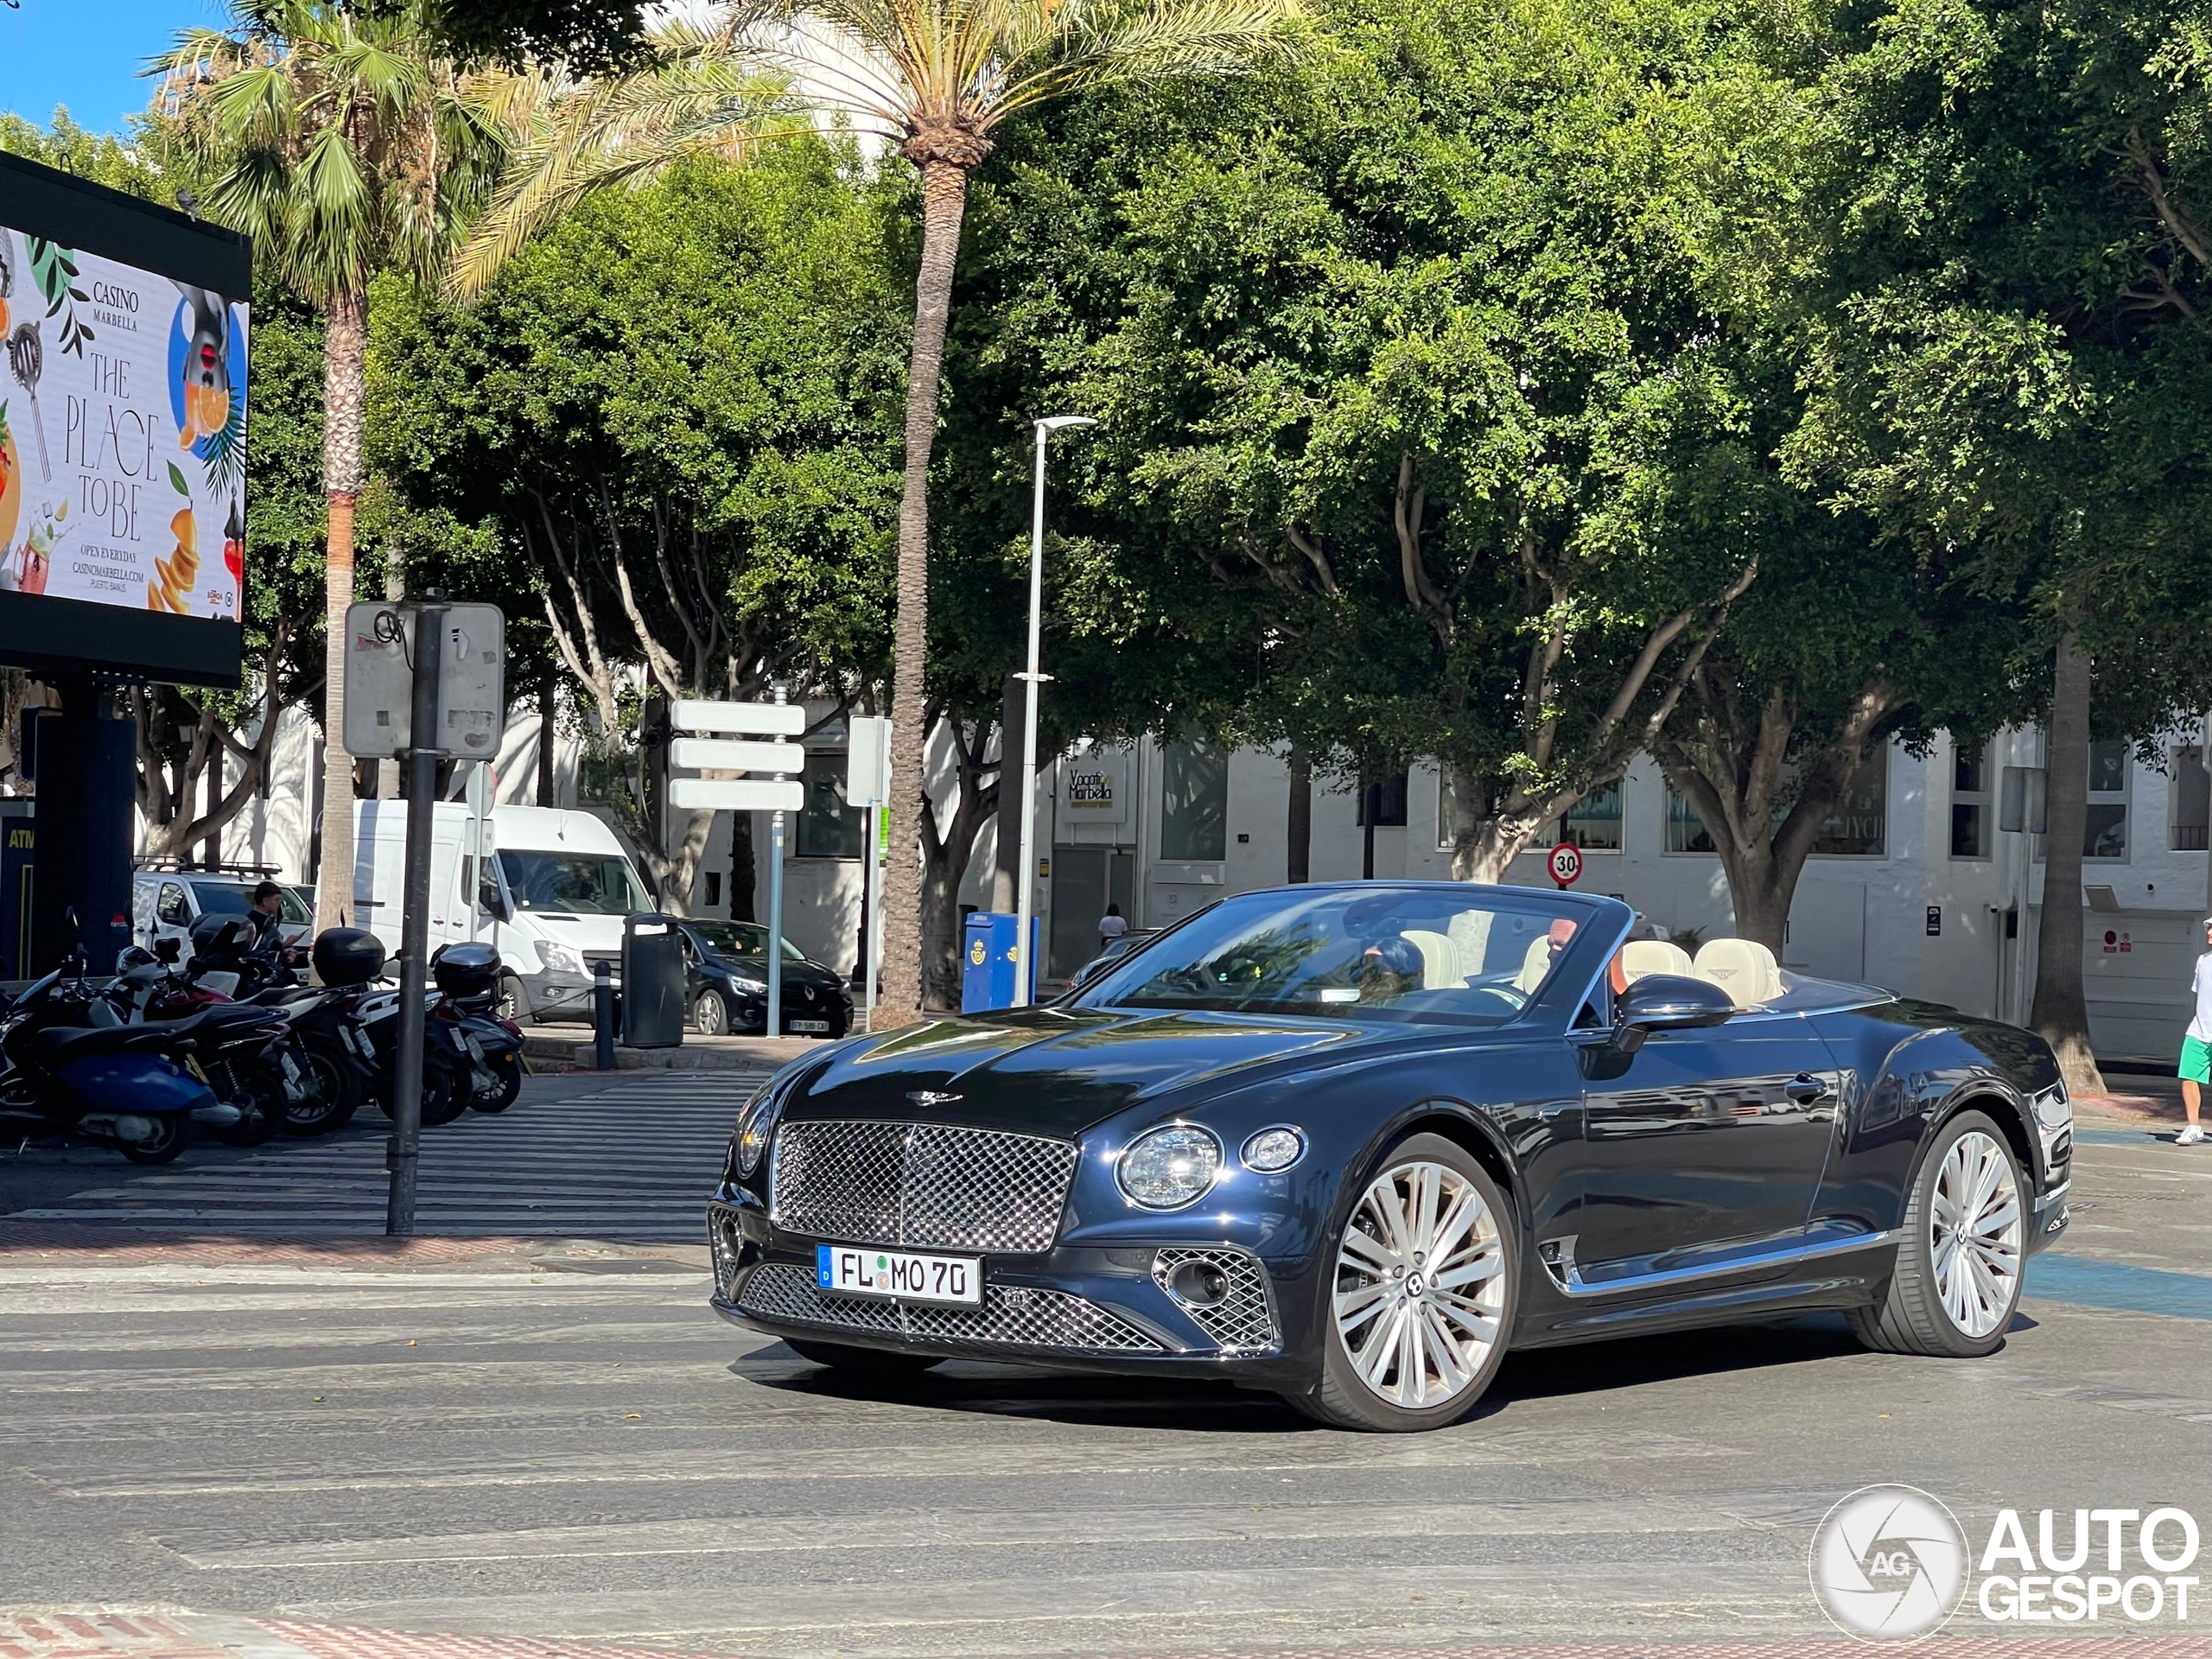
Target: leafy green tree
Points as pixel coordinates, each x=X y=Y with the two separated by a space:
x=346 y=147
x=667 y=433
x=938 y=79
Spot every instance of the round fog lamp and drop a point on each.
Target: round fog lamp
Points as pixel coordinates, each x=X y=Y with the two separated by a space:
x=1171 y=1166
x=1272 y=1150
x=1198 y=1284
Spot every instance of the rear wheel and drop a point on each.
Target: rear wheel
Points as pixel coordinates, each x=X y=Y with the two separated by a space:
x=508 y=1069
x=1421 y=1295
x=1957 y=1280
x=170 y=1131
x=839 y=1357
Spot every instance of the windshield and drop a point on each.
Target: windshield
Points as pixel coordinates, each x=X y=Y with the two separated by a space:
x=230 y=899
x=588 y=884
x=740 y=939
x=1411 y=954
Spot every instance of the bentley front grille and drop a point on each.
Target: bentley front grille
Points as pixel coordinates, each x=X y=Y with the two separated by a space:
x=1015 y=1314
x=1242 y=1321
x=921 y=1185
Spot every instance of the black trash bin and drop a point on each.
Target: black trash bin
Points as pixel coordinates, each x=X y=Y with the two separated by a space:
x=652 y=983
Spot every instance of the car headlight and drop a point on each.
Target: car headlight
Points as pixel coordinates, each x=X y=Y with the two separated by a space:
x=745 y=987
x=559 y=958
x=756 y=1126
x=1272 y=1151
x=1170 y=1166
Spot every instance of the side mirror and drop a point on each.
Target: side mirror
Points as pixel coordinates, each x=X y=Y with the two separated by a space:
x=168 y=949
x=489 y=901
x=1667 y=1003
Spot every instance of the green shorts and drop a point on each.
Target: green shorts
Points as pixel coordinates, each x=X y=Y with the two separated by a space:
x=2196 y=1060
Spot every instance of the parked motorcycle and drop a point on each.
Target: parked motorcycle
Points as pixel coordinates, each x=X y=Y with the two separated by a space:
x=74 y=1067
x=467 y=976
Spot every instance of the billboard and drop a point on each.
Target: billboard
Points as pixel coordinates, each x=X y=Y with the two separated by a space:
x=124 y=392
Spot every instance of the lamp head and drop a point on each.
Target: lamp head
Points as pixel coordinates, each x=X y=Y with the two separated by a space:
x=1054 y=423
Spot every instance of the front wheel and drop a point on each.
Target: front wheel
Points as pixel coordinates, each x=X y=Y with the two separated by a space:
x=508 y=1069
x=711 y=1015
x=337 y=1095
x=1957 y=1280
x=162 y=1146
x=1421 y=1295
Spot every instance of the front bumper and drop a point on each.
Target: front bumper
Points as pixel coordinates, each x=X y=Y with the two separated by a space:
x=557 y=996
x=1071 y=1307
x=748 y=1011
x=2051 y=1215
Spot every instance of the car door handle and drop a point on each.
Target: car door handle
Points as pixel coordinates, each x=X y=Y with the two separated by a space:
x=1806 y=1090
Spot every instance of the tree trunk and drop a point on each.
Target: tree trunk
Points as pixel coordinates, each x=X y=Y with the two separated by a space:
x=743 y=876
x=1005 y=875
x=548 y=691
x=211 y=850
x=344 y=401
x=944 y=191
x=2060 y=1013
x=1298 y=824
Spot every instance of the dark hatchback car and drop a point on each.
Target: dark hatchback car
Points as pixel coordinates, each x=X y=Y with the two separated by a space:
x=1352 y=1143
x=727 y=980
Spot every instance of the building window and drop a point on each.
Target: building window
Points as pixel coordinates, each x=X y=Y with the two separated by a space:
x=2104 y=834
x=1857 y=825
x=1970 y=818
x=1594 y=823
x=827 y=826
x=1194 y=793
x=1385 y=802
x=1685 y=831
x=2189 y=794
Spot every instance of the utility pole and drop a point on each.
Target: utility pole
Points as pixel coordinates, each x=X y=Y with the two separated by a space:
x=422 y=756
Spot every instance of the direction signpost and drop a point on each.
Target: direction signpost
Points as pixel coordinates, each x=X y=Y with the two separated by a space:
x=778 y=793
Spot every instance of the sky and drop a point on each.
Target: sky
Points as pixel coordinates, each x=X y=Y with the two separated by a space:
x=87 y=53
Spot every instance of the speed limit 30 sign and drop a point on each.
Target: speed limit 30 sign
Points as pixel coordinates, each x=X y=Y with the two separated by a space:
x=1566 y=863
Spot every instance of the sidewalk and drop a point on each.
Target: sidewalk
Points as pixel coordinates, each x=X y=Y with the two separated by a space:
x=571 y=1048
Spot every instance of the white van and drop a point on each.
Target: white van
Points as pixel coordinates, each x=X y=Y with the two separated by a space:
x=551 y=897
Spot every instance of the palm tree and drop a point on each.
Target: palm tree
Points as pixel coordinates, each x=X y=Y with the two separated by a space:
x=346 y=147
x=938 y=78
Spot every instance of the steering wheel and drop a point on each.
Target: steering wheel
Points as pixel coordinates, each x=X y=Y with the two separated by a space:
x=1511 y=995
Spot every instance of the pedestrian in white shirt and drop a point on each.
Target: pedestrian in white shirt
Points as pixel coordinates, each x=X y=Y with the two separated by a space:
x=2196 y=1046
x=1111 y=926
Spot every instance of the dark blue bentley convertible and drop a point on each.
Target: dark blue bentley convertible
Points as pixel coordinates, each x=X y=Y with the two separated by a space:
x=1352 y=1142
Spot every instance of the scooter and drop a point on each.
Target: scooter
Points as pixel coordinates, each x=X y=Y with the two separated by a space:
x=74 y=1067
x=249 y=1054
x=468 y=982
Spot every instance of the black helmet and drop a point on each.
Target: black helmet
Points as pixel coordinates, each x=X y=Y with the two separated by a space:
x=218 y=935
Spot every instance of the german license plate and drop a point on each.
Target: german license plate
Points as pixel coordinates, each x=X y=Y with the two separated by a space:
x=851 y=1270
x=821 y=1025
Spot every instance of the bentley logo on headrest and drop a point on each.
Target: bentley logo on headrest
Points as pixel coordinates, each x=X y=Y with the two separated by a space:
x=931 y=1097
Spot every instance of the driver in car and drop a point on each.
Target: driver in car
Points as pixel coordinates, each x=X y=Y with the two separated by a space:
x=1387 y=970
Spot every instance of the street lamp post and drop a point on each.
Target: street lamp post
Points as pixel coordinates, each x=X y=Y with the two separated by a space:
x=1025 y=903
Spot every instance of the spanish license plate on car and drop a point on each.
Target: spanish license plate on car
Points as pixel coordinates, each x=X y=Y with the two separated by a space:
x=821 y=1025
x=850 y=1271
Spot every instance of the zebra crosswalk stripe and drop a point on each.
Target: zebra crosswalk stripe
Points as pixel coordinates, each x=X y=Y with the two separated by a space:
x=633 y=1162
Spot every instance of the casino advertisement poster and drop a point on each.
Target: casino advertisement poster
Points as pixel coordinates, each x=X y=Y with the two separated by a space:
x=122 y=403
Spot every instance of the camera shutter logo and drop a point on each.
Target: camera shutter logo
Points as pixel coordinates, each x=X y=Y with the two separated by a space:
x=1889 y=1564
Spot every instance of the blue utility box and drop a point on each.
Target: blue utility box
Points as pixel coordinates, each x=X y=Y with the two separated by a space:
x=989 y=960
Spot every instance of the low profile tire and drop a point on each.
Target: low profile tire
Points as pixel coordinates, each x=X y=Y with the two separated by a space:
x=860 y=1361
x=1420 y=1293
x=1957 y=1280
x=711 y=1015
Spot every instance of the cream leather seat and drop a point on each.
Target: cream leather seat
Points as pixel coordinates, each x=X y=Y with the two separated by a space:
x=1440 y=967
x=1641 y=957
x=1743 y=968
x=1535 y=963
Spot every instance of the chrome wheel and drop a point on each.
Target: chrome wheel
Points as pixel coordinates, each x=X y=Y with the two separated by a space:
x=710 y=1013
x=1420 y=1294
x=1976 y=1225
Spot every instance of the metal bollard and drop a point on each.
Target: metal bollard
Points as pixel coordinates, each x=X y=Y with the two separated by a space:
x=602 y=1013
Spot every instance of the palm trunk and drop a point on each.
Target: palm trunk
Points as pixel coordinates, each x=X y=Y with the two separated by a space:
x=2060 y=1013
x=944 y=194
x=344 y=397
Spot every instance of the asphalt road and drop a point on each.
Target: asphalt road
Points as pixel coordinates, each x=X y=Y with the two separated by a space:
x=544 y=1452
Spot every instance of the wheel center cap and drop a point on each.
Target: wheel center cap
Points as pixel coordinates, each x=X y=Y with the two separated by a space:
x=1413 y=1284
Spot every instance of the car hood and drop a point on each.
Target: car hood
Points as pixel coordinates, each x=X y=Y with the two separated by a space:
x=795 y=973
x=1058 y=1072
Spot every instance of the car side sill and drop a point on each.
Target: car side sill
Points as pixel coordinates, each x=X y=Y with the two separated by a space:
x=1558 y=1257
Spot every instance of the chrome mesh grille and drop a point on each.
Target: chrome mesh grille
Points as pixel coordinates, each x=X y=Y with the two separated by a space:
x=1243 y=1322
x=1011 y=1313
x=921 y=1185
